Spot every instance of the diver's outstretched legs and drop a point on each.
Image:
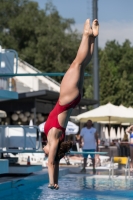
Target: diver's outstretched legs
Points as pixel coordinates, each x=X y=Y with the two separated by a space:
x=72 y=80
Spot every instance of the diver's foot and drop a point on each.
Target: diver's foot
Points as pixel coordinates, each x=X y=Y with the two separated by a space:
x=87 y=28
x=83 y=171
x=51 y=186
x=56 y=186
x=94 y=171
x=95 y=28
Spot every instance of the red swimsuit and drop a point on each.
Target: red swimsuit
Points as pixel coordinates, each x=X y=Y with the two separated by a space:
x=52 y=120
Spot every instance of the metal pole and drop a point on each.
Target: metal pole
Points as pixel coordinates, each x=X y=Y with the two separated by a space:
x=95 y=57
x=34 y=112
x=95 y=63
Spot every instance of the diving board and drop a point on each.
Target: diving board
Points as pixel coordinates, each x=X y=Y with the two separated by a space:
x=36 y=74
x=87 y=152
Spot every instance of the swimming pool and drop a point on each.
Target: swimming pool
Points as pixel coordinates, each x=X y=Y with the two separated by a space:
x=78 y=187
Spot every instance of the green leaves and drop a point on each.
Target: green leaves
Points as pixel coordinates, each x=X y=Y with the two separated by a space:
x=42 y=37
x=116 y=69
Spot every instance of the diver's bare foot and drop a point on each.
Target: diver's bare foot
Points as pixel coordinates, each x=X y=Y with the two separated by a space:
x=95 y=27
x=87 y=28
x=51 y=186
x=56 y=186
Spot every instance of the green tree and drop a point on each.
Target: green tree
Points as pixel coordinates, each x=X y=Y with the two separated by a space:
x=125 y=95
x=42 y=37
x=108 y=82
x=116 y=69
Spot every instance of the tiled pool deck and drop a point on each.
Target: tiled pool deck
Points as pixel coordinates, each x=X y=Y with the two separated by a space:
x=10 y=183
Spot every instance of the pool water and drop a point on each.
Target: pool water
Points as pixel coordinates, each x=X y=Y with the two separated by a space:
x=78 y=187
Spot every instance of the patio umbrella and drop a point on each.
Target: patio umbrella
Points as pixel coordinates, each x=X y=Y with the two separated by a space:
x=2 y=114
x=122 y=133
x=128 y=118
x=112 y=133
x=31 y=122
x=70 y=129
x=107 y=139
x=128 y=113
x=118 y=133
x=130 y=109
x=102 y=136
x=106 y=133
x=107 y=113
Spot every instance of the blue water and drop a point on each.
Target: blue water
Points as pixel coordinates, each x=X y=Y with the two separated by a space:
x=78 y=187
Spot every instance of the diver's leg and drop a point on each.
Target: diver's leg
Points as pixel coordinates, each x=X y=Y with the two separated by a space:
x=56 y=175
x=53 y=141
x=70 y=86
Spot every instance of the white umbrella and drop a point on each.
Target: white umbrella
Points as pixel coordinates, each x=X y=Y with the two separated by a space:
x=109 y=113
x=31 y=122
x=107 y=140
x=70 y=129
x=115 y=134
x=2 y=114
x=106 y=133
x=122 y=133
x=112 y=133
x=130 y=108
x=102 y=132
x=128 y=113
x=128 y=118
x=118 y=133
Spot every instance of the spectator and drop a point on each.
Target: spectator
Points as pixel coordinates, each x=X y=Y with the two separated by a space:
x=89 y=136
x=130 y=131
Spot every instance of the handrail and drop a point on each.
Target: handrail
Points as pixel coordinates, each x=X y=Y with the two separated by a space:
x=120 y=160
x=36 y=74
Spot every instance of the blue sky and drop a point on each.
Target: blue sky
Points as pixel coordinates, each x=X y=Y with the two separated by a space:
x=115 y=17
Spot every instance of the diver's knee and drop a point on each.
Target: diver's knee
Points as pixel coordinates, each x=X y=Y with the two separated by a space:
x=51 y=162
x=75 y=64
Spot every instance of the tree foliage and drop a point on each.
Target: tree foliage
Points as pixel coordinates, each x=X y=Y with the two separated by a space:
x=116 y=73
x=41 y=37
